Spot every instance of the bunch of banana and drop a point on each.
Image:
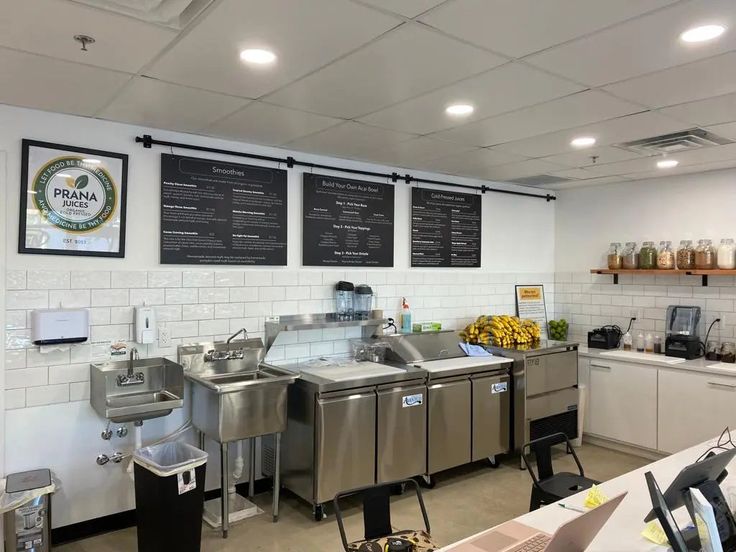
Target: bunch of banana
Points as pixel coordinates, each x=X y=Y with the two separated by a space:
x=510 y=331
x=478 y=332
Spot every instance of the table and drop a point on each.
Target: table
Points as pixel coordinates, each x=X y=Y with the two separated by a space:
x=622 y=533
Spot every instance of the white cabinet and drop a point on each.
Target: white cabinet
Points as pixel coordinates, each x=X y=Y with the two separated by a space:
x=584 y=379
x=623 y=402
x=693 y=407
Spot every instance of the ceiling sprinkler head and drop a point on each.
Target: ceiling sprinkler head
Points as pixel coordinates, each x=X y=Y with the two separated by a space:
x=84 y=40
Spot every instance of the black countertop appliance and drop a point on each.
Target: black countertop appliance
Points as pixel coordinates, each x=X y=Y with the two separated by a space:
x=606 y=337
x=683 y=339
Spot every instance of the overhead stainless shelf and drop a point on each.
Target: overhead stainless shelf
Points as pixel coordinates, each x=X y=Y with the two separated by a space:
x=296 y=322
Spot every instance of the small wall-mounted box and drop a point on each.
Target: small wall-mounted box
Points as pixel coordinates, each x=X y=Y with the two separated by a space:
x=52 y=326
x=145 y=324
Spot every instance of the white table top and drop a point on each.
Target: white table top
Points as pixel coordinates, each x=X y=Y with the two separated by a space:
x=622 y=533
x=352 y=370
x=460 y=362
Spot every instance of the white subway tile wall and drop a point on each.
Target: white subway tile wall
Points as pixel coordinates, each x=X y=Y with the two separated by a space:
x=199 y=305
x=589 y=301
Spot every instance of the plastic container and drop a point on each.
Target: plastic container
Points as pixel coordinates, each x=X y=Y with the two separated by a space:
x=686 y=255
x=169 y=497
x=658 y=350
x=712 y=351
x=628 y=341
x=629 y=256
x=640 y=343
x=665 y=256
x=649 y=343
x=363 y=302
x=344 y=300
x=648 y=255
x=614 y=256
x=726 y=256
x=705 y=255
x=728 y=352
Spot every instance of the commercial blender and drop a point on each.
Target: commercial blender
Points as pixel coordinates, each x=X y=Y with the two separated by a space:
x=683 y=339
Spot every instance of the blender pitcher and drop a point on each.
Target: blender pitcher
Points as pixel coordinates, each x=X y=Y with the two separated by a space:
x=363 y=302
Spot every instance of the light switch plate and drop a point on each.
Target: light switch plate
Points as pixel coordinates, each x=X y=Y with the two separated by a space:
x=164 y=336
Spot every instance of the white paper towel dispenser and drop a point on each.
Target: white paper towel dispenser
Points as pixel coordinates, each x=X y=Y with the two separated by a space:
x=52 y=326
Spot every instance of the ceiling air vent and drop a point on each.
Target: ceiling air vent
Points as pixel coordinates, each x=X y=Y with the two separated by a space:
x=676 y=142
x=539 y=180
x=171 y=13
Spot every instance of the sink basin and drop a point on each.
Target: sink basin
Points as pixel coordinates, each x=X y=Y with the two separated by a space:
x=161 y=391
x=237 y=398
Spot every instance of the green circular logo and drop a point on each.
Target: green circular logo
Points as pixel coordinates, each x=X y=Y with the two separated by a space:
x=73 y=194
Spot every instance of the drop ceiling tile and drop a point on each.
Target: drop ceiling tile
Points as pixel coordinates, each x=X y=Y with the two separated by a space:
x=41 y=82
x=272 y=125
x=349 y=139
x=160 y=104
x=304 y=35
x=404 y=63
x=520 y=27
x=695 y=81
x=583 y=157
x=521 y=169
x=411 y=153
x=472 y=163
x=502 y=89
x=587 y=182
x=407 y=8
x=571 y=111
x=711 y=111
x=646 y=44
x=726 y=130
x=688 y=169
x=577 y=174
x=48 y=26
x=620 y=129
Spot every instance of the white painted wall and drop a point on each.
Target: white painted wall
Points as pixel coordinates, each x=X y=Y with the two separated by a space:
x=518 y=245
x=690 y=206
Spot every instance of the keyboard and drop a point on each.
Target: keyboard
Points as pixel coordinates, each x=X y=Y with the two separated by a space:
x=537 y=543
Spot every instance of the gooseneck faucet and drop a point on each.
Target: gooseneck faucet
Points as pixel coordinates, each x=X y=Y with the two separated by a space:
x=236 y=334
x=131 y=378
x=133 y=356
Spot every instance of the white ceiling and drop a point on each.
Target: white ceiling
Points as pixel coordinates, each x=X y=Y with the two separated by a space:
x=370 y=79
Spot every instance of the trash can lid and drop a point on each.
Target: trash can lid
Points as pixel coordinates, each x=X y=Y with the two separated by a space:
x=27 y=480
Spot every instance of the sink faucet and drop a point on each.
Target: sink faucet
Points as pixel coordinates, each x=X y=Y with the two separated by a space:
x=131 y=378
x=236 y=334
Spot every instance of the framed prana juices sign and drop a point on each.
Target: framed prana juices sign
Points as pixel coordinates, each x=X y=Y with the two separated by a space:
x=72 y=201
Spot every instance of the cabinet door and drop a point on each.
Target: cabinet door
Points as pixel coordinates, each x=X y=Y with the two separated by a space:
x=584 y=380
x=449 y=425
x=491 y=416
x=401 y=439
x=693 y=407
x=623 y=402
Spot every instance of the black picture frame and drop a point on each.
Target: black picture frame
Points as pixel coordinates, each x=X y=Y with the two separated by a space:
x=123 y=183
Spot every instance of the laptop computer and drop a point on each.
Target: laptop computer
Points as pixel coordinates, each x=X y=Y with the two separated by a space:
x=573 y=536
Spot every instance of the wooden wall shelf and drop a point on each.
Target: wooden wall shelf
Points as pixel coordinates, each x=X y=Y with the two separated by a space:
x=665 y=272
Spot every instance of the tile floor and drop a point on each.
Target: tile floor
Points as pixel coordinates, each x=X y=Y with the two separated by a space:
x=464 y=501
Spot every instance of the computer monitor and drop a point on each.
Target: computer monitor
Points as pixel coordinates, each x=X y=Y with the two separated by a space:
x=693 y=475
x=664 y=515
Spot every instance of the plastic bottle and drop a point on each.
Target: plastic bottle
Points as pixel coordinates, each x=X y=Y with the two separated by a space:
x=649 y=343
x=640 y=342
x=405 y=316
x=628 y=341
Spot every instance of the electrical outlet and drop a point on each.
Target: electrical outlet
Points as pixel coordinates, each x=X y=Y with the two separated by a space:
x=164 y=336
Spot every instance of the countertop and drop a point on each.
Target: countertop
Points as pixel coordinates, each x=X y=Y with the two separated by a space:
x=698 y=365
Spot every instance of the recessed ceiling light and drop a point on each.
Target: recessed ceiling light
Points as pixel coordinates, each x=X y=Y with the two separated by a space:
x=257 y=56
x=583 y=142
x=91 y=161
x=667 y=163
x=702 y=33
x=459 y=109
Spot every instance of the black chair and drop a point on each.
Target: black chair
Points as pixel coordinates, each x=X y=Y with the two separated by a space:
x=548 y=486
x=377 y=528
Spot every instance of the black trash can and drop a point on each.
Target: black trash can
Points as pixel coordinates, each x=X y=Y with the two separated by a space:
x=169 y=497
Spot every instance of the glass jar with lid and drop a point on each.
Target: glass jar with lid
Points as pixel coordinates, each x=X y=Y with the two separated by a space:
x=726 y=256
x=614 y=256
x=665 y=256
x=648 y=255
x=705 y=255
x=686 y=255
x=728 y=352
x=629 y=256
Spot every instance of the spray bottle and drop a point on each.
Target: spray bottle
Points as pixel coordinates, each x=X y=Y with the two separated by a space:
x=405 y=316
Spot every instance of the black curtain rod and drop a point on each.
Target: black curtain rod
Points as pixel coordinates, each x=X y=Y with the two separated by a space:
x=290 y=162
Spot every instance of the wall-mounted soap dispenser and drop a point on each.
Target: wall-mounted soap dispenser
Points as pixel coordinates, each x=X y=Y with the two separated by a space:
x=145 y=324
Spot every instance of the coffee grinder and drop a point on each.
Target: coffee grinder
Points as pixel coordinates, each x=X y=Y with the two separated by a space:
x=683 y=340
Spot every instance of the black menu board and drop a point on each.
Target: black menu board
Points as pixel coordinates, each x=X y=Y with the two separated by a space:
x=445 y=228
x=347 y=222
x=213 y=212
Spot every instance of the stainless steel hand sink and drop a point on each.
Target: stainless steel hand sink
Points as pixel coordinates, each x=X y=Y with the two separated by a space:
x=156 y=388
x=236 y=398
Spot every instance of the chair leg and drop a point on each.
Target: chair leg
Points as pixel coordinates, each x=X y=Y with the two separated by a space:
x=536 y=501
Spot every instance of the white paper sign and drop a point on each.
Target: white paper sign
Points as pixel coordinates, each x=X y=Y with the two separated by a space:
x=530 y=305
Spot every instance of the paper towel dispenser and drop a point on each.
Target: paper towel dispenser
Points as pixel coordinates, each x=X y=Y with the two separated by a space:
x=52 y=326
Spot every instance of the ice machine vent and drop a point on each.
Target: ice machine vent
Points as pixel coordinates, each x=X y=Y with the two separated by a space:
x=676 y=142
x=540 y=180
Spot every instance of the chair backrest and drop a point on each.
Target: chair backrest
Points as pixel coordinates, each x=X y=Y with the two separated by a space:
x=376 y=501
x=542 y=449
